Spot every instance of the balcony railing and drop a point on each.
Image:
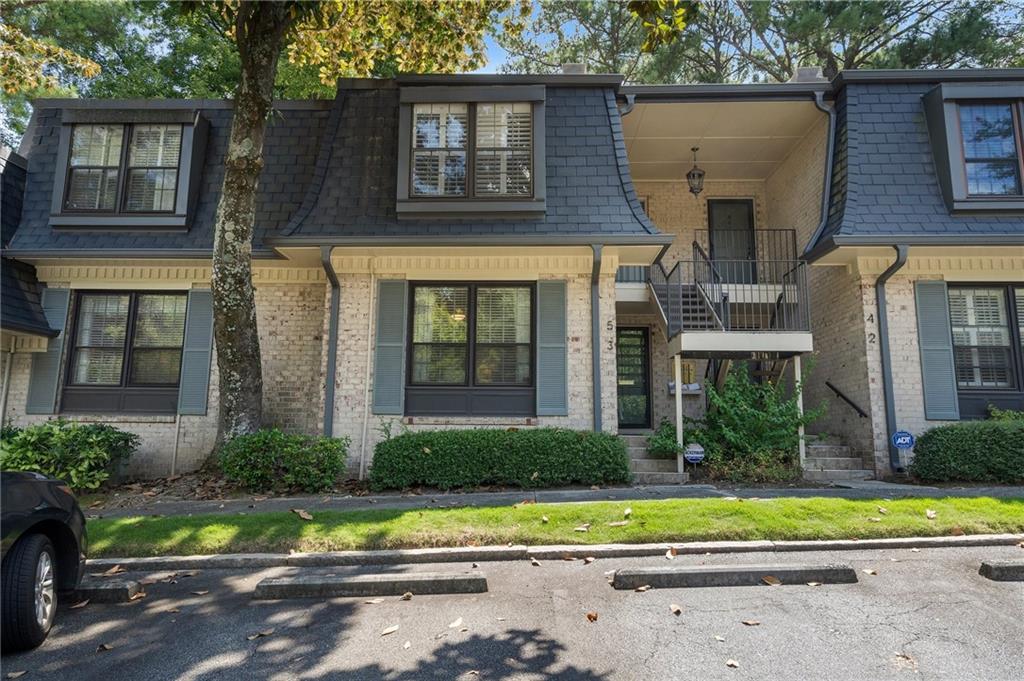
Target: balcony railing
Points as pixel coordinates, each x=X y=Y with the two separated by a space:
x=744 y=244
x=702 y=294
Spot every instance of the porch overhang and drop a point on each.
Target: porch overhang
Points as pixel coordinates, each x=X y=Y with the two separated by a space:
x=740 y=344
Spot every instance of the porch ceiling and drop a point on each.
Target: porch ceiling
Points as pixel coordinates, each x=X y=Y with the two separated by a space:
x=739 y=140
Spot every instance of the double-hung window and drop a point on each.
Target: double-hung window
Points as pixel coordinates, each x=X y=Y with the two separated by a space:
x=471 y=349
x=990 y=133
x=125 y=352
x=105 y=176
x=474 y=150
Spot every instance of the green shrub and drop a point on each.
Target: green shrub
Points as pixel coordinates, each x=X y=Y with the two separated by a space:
x=997 y=414
x=272 y=460
x=543 y=457
x=972 y=451
x=746 y=418
x=81 y=454
x=662 y=443
x=769 y=466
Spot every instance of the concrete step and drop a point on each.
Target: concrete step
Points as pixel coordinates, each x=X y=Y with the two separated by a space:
x=660 y=478
x=653 y=465
x=826 y=475
x=830 y=450
x=845 y=463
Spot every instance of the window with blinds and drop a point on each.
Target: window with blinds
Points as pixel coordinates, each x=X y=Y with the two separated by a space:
x=104 y=177
x=486 y=327
x=982 y=350
x=467 y=150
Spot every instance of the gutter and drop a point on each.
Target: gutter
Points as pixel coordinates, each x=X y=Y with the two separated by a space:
x=883 y=346
x=595 y=332
x=546 y=240
x=826 y=192
x=332 y=340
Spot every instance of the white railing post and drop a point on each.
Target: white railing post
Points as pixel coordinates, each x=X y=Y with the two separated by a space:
x=677 y=363
x=798 y=384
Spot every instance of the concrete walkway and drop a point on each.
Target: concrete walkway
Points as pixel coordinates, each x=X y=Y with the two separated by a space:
x=869 y=489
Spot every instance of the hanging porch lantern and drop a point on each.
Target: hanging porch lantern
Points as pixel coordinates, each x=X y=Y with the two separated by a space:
x=695 y=178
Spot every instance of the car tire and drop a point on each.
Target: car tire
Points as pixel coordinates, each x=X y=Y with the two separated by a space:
x=29 y=593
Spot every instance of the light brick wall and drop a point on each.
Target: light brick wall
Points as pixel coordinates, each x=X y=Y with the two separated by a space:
x=290 y=322
x=354 y=378
x=838 y=317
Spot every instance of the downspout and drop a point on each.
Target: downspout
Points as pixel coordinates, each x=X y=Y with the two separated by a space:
x=7 y=382
x=826 y=191
x=332 y=340
x=883 y=346
x=595 y=332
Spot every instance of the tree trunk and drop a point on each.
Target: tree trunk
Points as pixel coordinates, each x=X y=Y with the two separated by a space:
x=259 y=34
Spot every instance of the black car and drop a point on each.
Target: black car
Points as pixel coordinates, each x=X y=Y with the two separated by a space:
x=43 y=548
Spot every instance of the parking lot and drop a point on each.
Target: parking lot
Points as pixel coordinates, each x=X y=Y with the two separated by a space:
x=924 y=614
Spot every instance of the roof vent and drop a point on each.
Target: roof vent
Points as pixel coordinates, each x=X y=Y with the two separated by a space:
x=574 y=69
x=807 y=74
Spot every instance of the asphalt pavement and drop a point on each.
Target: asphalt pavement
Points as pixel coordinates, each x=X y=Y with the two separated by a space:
x=924 y=614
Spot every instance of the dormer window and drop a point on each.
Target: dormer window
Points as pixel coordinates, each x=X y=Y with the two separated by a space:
x=147 y=184
x=471 y=151
x=991 y=148
x=136 y=169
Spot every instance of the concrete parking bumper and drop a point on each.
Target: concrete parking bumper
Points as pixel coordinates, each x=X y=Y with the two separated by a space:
x=332 y=586
x=732 y=575
x=107 y=590
x=1003 y=570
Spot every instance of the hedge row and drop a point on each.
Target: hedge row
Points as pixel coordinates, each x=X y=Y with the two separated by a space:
x=971 y=451
x=542 y=457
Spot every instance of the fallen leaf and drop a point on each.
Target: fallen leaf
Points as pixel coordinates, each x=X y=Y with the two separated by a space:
x=476 y=565
x=628 y=512
x=675 y=609
x=16 y=675
x=374 y=601
x=642 y=588
x=1021 y=545
x=883 y=510
x=771 y=580
x=813 y=583
x=426 y=450
x=905 y=660
x=534 y=562
x=588 y=560
x=732 y=663
x=79 y=604
x=536 y=474
x=869 y=571
x=592 y=616
x=930 y=514
x=390 y=630
x=407 y=645
x=464 y=629
x=919 y=550
x=719 y=639
x=407 y=596
x=116 y=570
x=302 y=513
x=875 y=520
x=670 y=554
x=173 y=610
x=957 y=531
x=500 y=619
x=103 y=647
x=582 y=528
x=455 y=624
x=543 y=518
x=137 y=596
x=619 y=523
x=752 y=623
x=259 y=634
x=474 y=672
x=200 y=593
x=594 y=488
x=568 y=557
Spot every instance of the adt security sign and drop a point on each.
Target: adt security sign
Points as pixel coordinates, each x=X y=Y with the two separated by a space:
x=694 y=453
x=901 y=439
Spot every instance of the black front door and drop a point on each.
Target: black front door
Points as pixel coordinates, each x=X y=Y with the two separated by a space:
x=731 y=227
x=632 y=358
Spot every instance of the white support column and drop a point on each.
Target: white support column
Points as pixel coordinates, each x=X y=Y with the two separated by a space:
x=798 y=384
x=677 y=364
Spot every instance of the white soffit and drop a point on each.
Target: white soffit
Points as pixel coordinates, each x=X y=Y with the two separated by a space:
x=740 y=140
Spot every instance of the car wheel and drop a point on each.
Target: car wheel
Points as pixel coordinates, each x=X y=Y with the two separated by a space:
x=29 y=592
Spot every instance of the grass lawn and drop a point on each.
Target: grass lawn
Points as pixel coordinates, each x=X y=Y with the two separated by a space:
x=674 y=520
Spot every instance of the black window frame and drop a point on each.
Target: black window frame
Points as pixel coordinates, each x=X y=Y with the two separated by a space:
x=121 y=198
x=462 y=399
x=1016 y=107
x=974 y=401
x=126 y=396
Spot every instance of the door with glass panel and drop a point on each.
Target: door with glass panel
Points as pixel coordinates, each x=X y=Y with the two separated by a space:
x=632 y=359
